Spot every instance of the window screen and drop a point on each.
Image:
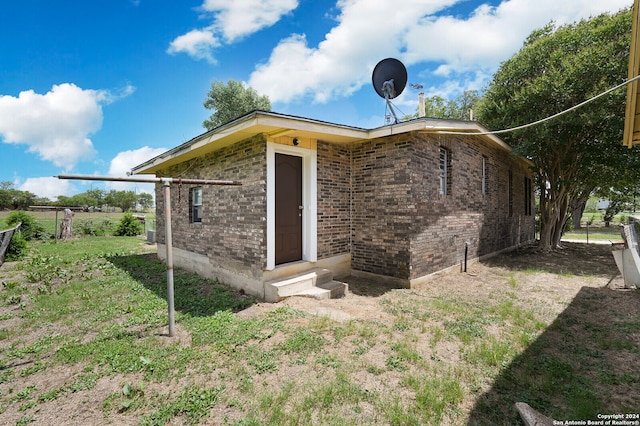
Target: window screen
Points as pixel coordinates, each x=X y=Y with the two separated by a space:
x=196 y=205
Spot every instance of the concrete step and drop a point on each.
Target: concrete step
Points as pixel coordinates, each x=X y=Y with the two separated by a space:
x=330 y=290
x=288 y=286
x=315 y=292
x=337 y=289
x=323 y=276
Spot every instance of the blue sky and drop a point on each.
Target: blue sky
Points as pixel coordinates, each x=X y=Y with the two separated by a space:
x=97 y=87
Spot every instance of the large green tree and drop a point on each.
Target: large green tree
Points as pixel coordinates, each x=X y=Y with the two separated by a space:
x=145 y=200
x=125 y=200
x=576 y=153
x=230 y=101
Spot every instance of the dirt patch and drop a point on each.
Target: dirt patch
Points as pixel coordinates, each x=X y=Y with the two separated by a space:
x=578 y=291
x=548 y=278
x=588 y=325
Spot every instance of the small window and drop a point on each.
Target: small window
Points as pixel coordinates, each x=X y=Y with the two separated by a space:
x=195 y=212
x=527 y=197
x=445 y=171
x=484 y=175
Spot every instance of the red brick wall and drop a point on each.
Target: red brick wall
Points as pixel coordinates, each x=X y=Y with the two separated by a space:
x=402 y=227
x=334 y=199
x=382 y=206
x=377 y=200
x=444 y=224
x=233 y=224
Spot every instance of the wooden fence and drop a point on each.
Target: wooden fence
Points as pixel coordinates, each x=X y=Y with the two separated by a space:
x=5 y=240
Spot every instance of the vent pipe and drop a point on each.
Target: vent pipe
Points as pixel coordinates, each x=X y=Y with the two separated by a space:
x=421 y=111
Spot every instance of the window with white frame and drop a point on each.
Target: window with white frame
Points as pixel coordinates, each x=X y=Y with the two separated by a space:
x=445 y=171
x=195 y=211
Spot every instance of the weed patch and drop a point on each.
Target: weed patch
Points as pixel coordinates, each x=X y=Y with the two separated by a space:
x=192 y=403
x=461 y=350
x=302 y=342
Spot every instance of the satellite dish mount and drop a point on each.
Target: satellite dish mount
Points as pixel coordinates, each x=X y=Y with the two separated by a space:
x=389 y=80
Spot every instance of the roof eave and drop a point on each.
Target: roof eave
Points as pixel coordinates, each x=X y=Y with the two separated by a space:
x=247 y=126
x=274 y=124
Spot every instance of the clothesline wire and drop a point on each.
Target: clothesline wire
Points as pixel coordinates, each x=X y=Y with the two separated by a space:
x=524 y=126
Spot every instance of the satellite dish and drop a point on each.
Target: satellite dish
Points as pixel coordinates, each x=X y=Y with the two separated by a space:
x=389 y=80
x=389 y=71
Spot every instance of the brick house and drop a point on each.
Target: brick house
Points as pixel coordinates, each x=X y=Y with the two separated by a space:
x=320 y=200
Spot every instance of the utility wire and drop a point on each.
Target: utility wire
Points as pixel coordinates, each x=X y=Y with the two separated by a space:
x=524 y=126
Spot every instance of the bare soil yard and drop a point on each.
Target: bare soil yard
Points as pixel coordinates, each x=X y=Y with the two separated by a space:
x=554 y=330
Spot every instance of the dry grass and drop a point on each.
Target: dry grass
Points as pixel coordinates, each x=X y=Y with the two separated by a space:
x=89 y=347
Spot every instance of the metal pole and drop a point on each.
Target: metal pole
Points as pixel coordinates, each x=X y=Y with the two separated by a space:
x=587 y=232
x=166 y=183
x=168 y=245
x=466 y=250
x=151 y=179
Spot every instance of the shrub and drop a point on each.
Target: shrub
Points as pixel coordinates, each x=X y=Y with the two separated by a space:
x=590 y=219
x=97 y=228
x=568 y=226
x=17 y=249
x=30 y=229
x=129 y=226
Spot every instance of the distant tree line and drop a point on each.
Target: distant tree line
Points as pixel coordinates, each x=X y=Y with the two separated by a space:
x=14 y=199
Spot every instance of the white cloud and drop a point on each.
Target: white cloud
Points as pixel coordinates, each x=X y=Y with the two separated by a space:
x=109 y=97
x=198 y=44
x=49 y=187
x=367 y=31
x=415 y=31
x=492 y=34
x=125 y=161
x=239 y=18
x=56 y=125
x=232 y=20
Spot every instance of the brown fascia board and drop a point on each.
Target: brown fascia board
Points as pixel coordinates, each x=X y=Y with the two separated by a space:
x=274 y=124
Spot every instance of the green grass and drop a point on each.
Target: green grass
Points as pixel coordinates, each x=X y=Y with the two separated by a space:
x=602 y=234
x=96 y=308
x=100 y=223
x=193 y=404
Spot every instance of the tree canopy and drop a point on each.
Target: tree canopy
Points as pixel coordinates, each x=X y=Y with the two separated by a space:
x=230 y=101
x=126 y=200
x=456 y=109
x=556 y=69
x=11 y=198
